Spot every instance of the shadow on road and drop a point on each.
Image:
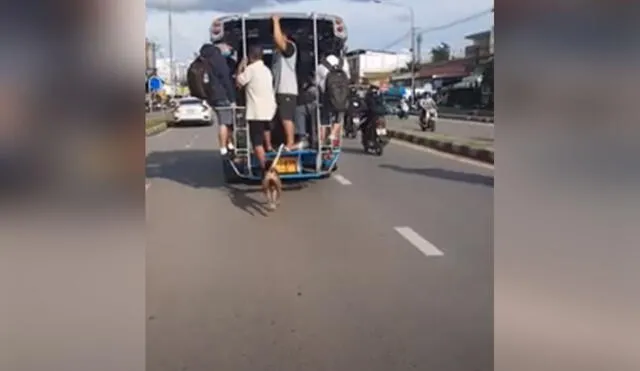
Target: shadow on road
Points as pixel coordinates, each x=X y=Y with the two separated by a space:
x=194 y=168
x=203 y=169
x=251 y=200
x=444 y=174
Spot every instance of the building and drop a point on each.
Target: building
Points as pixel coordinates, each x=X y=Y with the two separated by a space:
x=375 y=64
x=482 y=45
x=150 y=56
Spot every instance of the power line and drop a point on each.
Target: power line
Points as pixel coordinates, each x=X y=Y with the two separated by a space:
x=456 y=22
x=440 y=27
x=398 y=40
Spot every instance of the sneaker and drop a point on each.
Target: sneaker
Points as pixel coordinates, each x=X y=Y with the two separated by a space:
x=303 y=144
x=224 y=151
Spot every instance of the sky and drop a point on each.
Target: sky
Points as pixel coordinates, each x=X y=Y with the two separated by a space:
x=370 y=25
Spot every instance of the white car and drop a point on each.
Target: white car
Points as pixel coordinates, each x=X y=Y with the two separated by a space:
x=191 y=110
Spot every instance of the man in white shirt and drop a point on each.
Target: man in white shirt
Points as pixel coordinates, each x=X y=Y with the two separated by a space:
x=261 y=102
x=332 y=117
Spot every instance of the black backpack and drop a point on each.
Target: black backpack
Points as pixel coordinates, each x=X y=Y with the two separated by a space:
x=199 y=78
x=336 y=91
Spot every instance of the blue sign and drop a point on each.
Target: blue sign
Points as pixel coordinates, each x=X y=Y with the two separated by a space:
x=155 y=84
x=396 y=91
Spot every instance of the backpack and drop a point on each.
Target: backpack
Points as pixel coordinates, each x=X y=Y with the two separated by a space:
x=336 y=91
x=198 y=79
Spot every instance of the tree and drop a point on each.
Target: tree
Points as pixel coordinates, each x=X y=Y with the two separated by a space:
x=441 y=53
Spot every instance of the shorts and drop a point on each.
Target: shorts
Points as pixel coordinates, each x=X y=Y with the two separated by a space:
x=305 y=117
x=331 y=117
x=256 y=131
x=286 y=106
x=223 y=113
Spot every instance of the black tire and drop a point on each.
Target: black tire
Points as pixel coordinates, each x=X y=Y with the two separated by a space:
x=229 y=175
x=379 y=150
x=423 y=127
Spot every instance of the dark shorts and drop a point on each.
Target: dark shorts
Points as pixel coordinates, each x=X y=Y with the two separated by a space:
x=330 y=117
x=256 y=131
x=286 y=106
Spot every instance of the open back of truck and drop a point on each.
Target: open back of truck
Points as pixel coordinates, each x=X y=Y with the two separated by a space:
x=316 y=36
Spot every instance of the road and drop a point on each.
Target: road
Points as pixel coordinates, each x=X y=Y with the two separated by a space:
x=386 y=266
x=457 y=128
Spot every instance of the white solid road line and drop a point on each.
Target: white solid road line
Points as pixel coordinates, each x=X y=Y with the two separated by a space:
x=443 y=154
x=420 y=243
x=340 y=179
x=160 y=134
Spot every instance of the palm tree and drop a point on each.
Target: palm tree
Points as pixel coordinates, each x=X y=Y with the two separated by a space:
x=441 y=53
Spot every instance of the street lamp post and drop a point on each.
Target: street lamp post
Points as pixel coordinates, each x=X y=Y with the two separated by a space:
x=170 y=24
x=413 y=42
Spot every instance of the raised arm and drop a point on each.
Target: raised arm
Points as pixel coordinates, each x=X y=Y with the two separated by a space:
x=242 y=75
x=279 y=37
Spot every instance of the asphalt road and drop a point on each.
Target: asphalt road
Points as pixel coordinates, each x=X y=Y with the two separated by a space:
x=326 y=282
x=463 y=129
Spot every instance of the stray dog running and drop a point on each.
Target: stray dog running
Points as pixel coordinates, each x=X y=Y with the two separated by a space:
x=271 y=183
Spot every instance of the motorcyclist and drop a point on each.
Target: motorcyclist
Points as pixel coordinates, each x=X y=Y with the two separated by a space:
x=404 y=108
x=355 y=107
x=427 y=103
x=375 y=109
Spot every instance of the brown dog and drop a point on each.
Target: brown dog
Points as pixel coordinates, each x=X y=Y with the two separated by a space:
x=272 y=187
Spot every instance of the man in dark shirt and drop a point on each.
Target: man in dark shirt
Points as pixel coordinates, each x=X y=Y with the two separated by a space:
x=223 y=92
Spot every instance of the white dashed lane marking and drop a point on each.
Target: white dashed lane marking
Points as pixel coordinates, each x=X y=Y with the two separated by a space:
x=418 y=241
x=340 y=179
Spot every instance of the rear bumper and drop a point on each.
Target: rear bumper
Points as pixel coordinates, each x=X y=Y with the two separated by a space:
x=306 y=166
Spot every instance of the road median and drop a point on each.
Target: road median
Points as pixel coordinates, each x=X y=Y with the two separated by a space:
x=473 y=149
x=155 y=126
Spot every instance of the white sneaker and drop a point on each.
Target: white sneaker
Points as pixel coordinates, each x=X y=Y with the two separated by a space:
x=224 y=151
x=231 y=147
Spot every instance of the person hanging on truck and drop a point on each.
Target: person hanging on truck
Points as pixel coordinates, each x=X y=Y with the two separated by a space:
x=332 y=78
x=285 y=80
x=209 y=78
x=261 y=102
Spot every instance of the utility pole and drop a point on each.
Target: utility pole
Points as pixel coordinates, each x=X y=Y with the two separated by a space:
x=419 y=46
x=171 y=66
x=413 y=55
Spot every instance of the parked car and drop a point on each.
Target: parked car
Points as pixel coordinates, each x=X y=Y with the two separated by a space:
x=191 y=110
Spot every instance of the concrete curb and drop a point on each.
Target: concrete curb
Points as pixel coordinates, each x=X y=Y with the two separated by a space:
x=444 y=145
x=485 y=119
x=459 y=117
x=156 y=129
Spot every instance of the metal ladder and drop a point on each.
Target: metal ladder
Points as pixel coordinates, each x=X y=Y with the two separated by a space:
x=321 y=146
x=242 y=139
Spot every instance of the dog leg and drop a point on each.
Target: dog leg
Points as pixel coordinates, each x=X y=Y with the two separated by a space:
x=271 y=203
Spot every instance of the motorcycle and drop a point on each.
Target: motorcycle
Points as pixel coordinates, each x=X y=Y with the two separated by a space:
x=353 y=121
x=375 y=136
x=403 y=114
x=428 y=119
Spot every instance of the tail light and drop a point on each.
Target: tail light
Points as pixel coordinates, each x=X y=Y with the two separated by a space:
x=339 y=28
